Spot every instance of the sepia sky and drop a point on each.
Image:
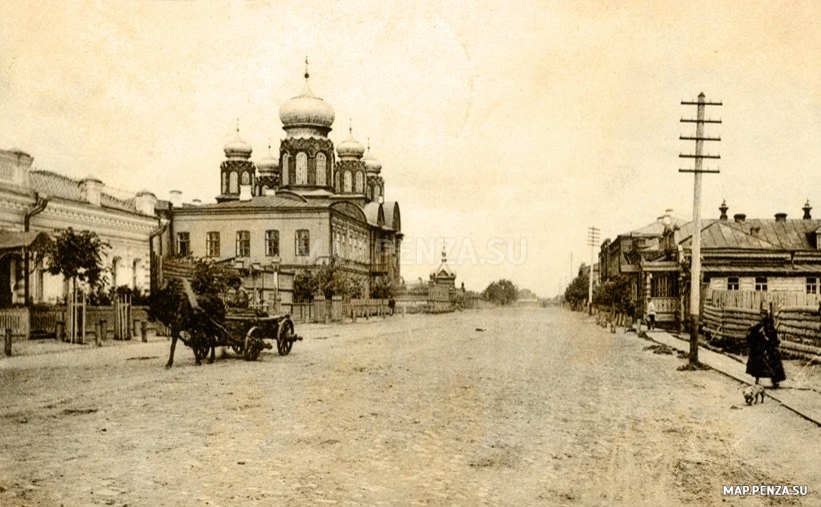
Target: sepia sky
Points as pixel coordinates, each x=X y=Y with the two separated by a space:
x=498 y=123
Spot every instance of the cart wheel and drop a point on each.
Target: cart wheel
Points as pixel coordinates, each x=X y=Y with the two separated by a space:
x=199 y=343
x=253 y=342
x=285 y=337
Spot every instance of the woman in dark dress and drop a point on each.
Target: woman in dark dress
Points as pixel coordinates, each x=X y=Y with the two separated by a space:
x=765 y=359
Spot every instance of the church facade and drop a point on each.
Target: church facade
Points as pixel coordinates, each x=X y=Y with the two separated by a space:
x=313 y=203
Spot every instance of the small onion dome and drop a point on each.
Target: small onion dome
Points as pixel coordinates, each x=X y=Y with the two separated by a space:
x=350 y=147
x=306 y=110
x=371 y=164
x=269 y=164
x=237 y=148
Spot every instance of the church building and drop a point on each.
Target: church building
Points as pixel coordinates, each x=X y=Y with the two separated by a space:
x=311 y=203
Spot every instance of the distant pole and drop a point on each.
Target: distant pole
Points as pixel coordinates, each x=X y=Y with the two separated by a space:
x=698 y=170
x=593 y=241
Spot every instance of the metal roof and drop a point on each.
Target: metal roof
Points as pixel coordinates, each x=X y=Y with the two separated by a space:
x=758 y=234
x=62 y=187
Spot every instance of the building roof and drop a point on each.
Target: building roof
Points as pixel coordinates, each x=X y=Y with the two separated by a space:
x=62 y=187
x=759 y=234
x=655 y=228
x=260 y=202
x=13 y=240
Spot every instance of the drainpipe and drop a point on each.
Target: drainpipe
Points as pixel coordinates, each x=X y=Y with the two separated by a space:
x=41 y=201
x=158 y=232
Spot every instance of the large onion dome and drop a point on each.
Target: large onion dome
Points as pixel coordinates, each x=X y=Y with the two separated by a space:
x=306 y=110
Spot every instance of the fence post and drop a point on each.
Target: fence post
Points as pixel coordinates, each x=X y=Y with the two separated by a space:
x=97 y=338
x=7 y=347
x=104 y=329
x=144 y=331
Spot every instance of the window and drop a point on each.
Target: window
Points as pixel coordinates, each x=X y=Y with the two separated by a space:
x=272 y=243
x=347 y=184
x=246 y=179
x=321 y=179
x=233 y=187
x=224 y=183
x=812 y=285
x=360 y=182
x=285 y=172
x=761 y=283
x=243 y=244
x=183 y=244
x=732 y=283
x=212 y=244
x=301 y=168
x=303 y=242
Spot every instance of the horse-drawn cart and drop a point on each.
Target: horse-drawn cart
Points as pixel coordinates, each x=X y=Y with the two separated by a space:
x=245 y=331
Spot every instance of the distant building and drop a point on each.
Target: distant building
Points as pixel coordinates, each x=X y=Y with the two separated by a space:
x=36 y=201
x=312 y=203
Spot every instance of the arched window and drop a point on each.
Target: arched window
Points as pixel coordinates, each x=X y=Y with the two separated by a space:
x=285 y=171
x=347 y=183
x=233 y=188
x=301 y=168
x=321 y=179
x=376 y=192
x=224 y=183
x=337 y=186
x=370 y=192
x=359 y=183
x=246 y=179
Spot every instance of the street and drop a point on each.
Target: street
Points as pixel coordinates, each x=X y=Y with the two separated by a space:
x=493 y=407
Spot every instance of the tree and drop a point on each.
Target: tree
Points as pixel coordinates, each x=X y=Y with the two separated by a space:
x=78 y=256
x=617 y=293
x=383 y=288
x=503 y=292
x=576 y=292
x=329 y=279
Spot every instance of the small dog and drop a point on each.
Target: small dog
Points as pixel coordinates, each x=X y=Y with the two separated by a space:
x=752 y=393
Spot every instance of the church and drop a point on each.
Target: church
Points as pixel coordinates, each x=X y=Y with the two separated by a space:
x=312 y=203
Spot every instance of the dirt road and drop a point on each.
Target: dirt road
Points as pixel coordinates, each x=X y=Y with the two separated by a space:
x=498 y=407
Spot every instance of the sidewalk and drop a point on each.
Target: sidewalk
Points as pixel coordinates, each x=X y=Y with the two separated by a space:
x=796 y=393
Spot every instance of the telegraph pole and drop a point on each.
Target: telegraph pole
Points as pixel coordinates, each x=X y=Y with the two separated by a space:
x=593 y=241
x=698 y=157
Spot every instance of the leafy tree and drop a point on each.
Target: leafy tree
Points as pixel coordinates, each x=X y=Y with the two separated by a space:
x=383 y=288
x=617 y=293
x=78 y=256
x=502 y=292
x=576 y=292
x=329 y=279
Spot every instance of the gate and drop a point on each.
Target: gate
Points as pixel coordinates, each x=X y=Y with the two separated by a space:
x=122 y=317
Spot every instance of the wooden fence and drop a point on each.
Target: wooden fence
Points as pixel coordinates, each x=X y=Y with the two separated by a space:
x=338 y=310
x=754 y=300
x=16 y=319
x=799 y=328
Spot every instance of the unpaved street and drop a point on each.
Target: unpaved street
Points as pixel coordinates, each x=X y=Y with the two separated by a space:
x=495 y=407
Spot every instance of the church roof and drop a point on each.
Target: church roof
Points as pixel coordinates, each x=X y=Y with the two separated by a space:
x=261 y=202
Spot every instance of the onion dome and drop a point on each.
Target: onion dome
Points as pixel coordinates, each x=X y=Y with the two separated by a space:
x=269 y=164
x=237 y=148
x=371 y=164
x=306 y=110
x=350 y=147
